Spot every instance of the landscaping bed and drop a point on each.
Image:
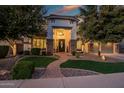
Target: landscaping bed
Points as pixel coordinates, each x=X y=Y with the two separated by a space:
x=22 y=68
x=38 y=73
x=70 y=72
x=26 y=68
x=6 y=65
x=101 y=67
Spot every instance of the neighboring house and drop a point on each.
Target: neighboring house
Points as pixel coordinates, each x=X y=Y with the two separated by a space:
x=61 y=36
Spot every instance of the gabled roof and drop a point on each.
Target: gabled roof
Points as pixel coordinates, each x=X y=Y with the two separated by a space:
x=53 y=16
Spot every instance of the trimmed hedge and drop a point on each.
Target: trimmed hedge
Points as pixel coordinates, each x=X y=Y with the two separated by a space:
x=35 y=51
x=26 y=52
x=44 y=52
x=73 y=53
x=77 y=55
x=4 y=51
x=23 y=70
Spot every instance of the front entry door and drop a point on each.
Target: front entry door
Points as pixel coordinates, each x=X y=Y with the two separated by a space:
x=61 y=45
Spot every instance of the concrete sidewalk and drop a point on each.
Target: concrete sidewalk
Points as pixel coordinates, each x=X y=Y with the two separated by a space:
x=95 y=81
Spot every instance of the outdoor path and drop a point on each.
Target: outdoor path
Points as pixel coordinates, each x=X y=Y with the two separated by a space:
x=53 y=69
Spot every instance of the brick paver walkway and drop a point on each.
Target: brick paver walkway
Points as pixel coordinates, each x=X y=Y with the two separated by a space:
x=53 y=69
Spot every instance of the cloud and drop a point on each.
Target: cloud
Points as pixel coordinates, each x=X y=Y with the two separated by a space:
x=67 y=9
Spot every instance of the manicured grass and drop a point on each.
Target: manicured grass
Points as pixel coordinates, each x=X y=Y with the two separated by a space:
x=102 y=67
x=39 y=61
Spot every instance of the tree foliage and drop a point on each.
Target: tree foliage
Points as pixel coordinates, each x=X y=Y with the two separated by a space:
x=17 y=21
x=102 y=24
x=105 y=24
x=86 y=12
x=112 y=22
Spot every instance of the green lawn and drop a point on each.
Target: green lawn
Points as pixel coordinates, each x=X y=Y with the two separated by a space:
x=39 y=61
x=102 y=67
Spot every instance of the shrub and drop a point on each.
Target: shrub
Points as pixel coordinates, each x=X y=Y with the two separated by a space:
x=43 y=51
x=23 y=70
x=73 y=53
x=20 y=53
x=77 y=55
x=26 y=52
x=4 y=51
x=35 y=51
x=49 y=53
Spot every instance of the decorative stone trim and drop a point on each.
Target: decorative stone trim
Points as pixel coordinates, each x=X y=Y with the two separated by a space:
x=49 y=46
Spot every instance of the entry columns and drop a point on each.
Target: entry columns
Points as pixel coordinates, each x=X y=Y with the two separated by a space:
x=73 y=45
x=50 y=46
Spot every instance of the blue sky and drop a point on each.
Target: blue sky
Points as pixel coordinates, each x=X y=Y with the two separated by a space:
x=54 y=8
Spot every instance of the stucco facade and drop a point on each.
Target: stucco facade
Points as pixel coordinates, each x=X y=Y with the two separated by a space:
x=62 y=37
x=61 y=22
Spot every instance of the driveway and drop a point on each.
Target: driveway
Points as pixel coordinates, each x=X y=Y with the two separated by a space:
x=116 y=56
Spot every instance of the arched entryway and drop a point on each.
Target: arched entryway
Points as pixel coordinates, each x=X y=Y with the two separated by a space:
x=61 y=39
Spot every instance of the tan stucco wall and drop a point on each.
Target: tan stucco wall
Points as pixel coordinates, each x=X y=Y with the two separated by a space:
x=27 y=43
x=4 y=43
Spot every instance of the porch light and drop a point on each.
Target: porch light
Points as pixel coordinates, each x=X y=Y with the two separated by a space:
x=61 y=33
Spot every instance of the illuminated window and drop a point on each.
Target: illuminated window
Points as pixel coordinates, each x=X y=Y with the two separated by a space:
x=79 y=44
x=39 y=43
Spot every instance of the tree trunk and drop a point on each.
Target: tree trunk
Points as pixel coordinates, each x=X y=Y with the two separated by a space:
x=84 y=48
x=99 y=49
x=13 y=47
x=12 y=44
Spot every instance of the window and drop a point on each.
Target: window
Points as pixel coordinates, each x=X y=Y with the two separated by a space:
x=52 y=20
x=39 y=43
x=71 y=22
x=79 y=44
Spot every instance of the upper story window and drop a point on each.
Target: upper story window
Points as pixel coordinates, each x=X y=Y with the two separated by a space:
x=71 y=21
x=52 y=20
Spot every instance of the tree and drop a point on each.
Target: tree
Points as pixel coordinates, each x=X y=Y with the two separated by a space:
x=85 y=13
x=112 y=17
x=105 y=25
x=18 y=21
x=110 y=24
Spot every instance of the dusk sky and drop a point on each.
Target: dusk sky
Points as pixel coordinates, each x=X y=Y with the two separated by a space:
x=69 y=10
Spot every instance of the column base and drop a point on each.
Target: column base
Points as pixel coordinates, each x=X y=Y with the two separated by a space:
x=49 y=46
x=73 y=45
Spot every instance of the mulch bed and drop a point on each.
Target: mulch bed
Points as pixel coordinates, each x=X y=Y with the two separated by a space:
x=6 y=65
x=70 y=72
x=38 y=73
x=5 y=75
x=94 y=57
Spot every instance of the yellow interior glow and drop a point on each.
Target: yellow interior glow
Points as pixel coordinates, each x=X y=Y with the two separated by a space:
x=61 y=33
